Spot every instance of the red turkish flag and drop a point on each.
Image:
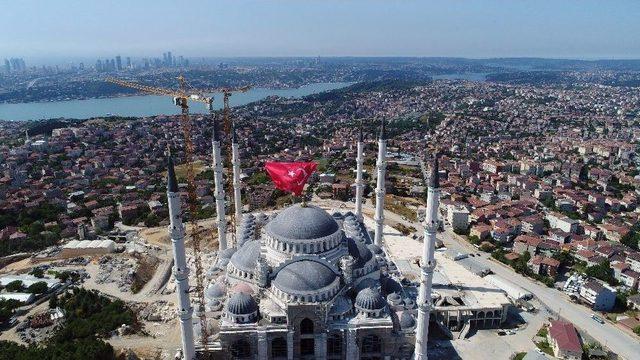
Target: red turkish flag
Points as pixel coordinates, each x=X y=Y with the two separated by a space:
x=290 y=176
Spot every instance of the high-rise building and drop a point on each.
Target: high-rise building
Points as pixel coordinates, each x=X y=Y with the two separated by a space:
x=169 y=59
x=99 y=66
x=118 y=63
x=128 y=62
x=7 y=66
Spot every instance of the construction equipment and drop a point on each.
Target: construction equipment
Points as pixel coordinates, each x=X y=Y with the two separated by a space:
x=227 y=126
x=181 y=98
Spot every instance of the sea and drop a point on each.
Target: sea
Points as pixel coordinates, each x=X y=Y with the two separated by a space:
x=144 y=105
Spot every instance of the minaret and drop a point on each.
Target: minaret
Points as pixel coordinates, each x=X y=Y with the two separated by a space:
x=428 y=262
x=219 y=187
x=380 y=187
x=180 y=268
x=359 y=181
x=237 y=186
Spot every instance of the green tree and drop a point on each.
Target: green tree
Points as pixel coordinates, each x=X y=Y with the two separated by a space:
x=39 y=287
x=37 y=272
x=14 y=286
x=602 y=271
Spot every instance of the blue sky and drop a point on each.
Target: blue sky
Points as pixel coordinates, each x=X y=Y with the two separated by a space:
x=465 y=28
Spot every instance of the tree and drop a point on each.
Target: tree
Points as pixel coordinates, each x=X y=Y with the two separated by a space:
x=37 y=272
x=14 y=286
x=637 y=330
x=602 y=271
x=39 y=287
x=53 y=301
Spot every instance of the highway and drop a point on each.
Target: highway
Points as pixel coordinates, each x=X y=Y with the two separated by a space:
x=620 y=342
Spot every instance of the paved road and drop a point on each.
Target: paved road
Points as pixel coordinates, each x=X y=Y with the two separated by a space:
x=625 y=345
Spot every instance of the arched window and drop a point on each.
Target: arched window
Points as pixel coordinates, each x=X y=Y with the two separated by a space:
x=371 y=344
x=240 y=349
x=334 y=345
x=306 y=326
x=279 y=348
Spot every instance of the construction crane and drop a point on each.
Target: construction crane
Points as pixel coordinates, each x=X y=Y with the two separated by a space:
x=227 y=126
x=181 y=98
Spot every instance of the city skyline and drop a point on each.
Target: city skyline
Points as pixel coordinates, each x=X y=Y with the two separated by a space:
x=470 y=29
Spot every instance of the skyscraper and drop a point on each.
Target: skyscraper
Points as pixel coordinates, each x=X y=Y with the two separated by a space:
x=7 y=66
x=128 y=62
x=118 y=63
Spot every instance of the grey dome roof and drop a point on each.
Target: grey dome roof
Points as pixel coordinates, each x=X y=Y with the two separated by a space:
x=222 y=263
x=359 y=252
x=390 y=285
x=337 y=215
x=246 y=257
x=302 y=222
x=406 y=320
x=394 y=297
x=226 y=253
x=367 y=283
x=375 y=248
x=370 y=299
x=215 y=291
x=409 y=303
x=341 y=305
x=241 y=304
x=304 y=276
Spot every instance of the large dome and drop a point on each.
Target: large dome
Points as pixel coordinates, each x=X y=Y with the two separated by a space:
x=304 y=276
x=302 y=223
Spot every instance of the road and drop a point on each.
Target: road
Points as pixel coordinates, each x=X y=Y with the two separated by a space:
x=625 y=345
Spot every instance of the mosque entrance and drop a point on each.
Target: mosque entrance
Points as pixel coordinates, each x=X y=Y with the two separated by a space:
x=307 y=348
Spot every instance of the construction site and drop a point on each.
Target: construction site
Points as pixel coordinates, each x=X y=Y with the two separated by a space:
x=323 y=280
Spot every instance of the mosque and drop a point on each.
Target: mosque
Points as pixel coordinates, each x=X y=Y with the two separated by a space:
x=302 y=283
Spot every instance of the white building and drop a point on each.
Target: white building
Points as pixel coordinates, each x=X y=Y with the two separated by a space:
x=457 y=217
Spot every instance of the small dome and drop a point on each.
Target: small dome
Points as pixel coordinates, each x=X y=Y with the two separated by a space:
x=406 y=320
x=226 y=253
x=299 y=222
x=359 y=253
x=366 y=283
x=215 y=291
x=304 y=276
x=394 y=298
x=222 y=263
x=246 y=257
x=370 y=299
x=409 y=304
x=337 y=215
x=242 y=288
x=214 y=305
x=390 y=285
x=374 y=248
x=241 y=304
x=341 y=306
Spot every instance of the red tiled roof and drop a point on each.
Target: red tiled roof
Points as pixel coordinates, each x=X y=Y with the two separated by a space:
x=565 y=335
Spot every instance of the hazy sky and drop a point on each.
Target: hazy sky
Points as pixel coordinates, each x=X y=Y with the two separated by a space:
x=466 y=28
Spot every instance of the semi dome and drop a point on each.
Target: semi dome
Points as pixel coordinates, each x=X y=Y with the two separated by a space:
x=304 y=276
x=370 y=299
x=302 y=223
x=226 y=253
x=246 y=257
x=241 y=304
